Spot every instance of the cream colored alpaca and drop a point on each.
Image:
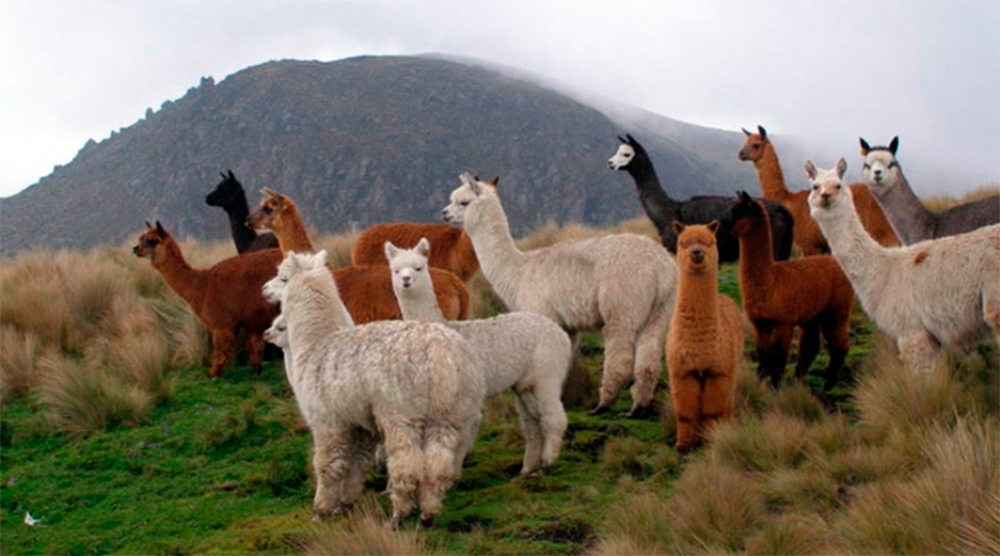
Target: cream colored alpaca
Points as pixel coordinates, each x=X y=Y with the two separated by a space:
x=932 y=293
x=523 y=352
x=705 y=342
x=624 y=283
x=410 y=383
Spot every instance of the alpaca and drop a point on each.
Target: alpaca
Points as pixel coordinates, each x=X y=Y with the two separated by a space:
x=937 y=292
x=452 y=247
x=625 y=283
x=705 y=341
x=523 y=352
x=809 y=292
x=910 y=218
x=759 y=150
x=664 y=211
x=226 y=297
x=411 y=385
x=366 y=290
x=229 y=195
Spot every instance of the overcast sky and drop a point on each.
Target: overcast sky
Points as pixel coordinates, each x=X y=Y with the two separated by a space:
x=829 y=71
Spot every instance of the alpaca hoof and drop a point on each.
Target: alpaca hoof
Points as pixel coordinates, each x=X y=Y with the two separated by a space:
x=426 y=522
x=598 y=410
x=643 y=412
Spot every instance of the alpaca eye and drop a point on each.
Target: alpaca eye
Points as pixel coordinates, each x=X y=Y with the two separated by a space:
x=892 y=164
x=815 y=188
x=266 y=209
x=464 y=203
x=866 y=166
x=419 y=268
x=838 y=187
x=150 y=243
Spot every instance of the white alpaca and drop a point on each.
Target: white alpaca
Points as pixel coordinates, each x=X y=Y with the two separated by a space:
x=625 y=283
x=937 y=292
x=410 y=383
x=521 y=351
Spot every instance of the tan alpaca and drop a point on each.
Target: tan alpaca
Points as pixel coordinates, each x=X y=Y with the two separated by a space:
x=759 y=150
x=705 y=341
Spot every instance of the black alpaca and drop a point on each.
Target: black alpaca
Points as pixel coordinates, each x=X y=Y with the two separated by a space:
x=664 y=211
x=230 y=196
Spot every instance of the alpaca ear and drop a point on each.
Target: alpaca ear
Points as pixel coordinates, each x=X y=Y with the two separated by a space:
x=148 y=225
x=841 y=168
x=224 y=176
x=864 y=146
x=810 y=170
x=622 y=139
x=423 y=247
x=631 y=140
x=390 y=251
x=160 y=230
x=319 y=259
x=893 y=145
x=713 y=226
x=466 y=178
x=678 y=227
x=495 y=182
x=745 y=132
x=763 y=132
x=744 y=196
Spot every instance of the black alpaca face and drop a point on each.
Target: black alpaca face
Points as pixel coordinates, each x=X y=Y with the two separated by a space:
x=225 y=192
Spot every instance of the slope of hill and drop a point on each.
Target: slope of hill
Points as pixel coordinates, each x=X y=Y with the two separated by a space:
x=360 y=141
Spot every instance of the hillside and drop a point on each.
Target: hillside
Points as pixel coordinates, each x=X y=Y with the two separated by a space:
x=360 y=141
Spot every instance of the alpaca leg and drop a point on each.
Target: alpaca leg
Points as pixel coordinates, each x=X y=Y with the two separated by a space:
x=718 y=399
x=359 y=459
x=531 y=430
x=619 y=357
x=919 y=353
x=405 y=464
x=553 y=422
x=838 y=343
x=648 y=367
x=331 y=464
x=441 y=444
x=991 y=312
x=255 y=349
x=223 y=345
x=808 y=348
x=772 y=350
x=685 y=395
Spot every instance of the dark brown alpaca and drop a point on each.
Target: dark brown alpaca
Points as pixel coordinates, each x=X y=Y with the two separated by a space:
x=229 y=196
x=451 y=248
x=226 y=297
x=365 y=290
x=759 y=150
x=811 y=292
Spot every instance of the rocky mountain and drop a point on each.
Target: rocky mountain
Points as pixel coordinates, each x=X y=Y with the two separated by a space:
x=360 y=141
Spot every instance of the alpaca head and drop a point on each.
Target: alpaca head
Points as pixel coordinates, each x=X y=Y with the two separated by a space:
x=697 y=252
x=828 y=195
x=292 y=265
x=747 y=214
x=467 y=194
x=410 y=271
x=152 y=242
x=627 y=151
x=228 y=191
x=754 y=145
x=277 y=334
x=881 y=169
x=274 y=211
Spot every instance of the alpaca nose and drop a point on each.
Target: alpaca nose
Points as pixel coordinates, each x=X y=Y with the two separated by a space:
x=697 y=255
x=444 y=215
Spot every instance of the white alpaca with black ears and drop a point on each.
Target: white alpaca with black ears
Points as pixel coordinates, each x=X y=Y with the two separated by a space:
x=412 y=384
x=937 y=292
x=523 y=352
x=909 y=217
x=624 y=284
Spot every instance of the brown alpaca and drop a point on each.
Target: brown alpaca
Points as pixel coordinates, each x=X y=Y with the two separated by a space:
x=452 y=247
x=366 y=290
x=758 y=149
x=812 y=293
x=226 y=297
x=705 y=340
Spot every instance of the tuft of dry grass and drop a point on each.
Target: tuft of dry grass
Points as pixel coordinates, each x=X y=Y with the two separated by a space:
x=943 y=202
x=792 y=534
x=775 y=441
x=363 y=532
x=19 y=355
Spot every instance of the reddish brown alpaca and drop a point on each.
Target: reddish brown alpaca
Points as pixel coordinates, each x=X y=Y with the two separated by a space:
x=758 y=149
x=705 y=340
x=366 y=290
x=451 y=248
x=812 y=293
x=226 y=297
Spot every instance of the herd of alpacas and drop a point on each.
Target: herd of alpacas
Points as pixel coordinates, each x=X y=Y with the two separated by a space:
x=385 y=365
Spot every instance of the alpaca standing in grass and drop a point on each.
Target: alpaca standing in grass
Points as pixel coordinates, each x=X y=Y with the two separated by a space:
x=759 y=150
x=664 y=211
x=705 y=341
x=910 y=218
x=932 y=293
x=412 y=384
x=229 y=195
x=625 y=283
x=365 y=290
x=453 y=249
x=809 y=292
x=226 y=297
x=523 y=352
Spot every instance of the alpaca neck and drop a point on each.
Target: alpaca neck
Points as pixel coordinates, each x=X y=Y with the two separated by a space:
x=756 y=259
x=238 y=210
x=419 y=304
x=659 y=207
x=908 y=215
x=772 y=179
x=864 y=261
x=499 y=258
x=696 y=298
x=291 y=233
x=189 y=283
x=313 y=311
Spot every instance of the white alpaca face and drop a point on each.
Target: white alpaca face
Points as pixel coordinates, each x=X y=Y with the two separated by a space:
x=881 y=170
x=292 y=265
x=409 y=269
x=461 y=198
x=277 y=334
x=621 y=158
x=827 y=188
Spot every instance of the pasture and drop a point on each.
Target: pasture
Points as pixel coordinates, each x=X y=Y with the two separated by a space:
x=114 y=437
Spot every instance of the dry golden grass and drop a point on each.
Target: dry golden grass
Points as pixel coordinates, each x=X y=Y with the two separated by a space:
x=943 y=202
x=19 y=355
x=363 y=532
